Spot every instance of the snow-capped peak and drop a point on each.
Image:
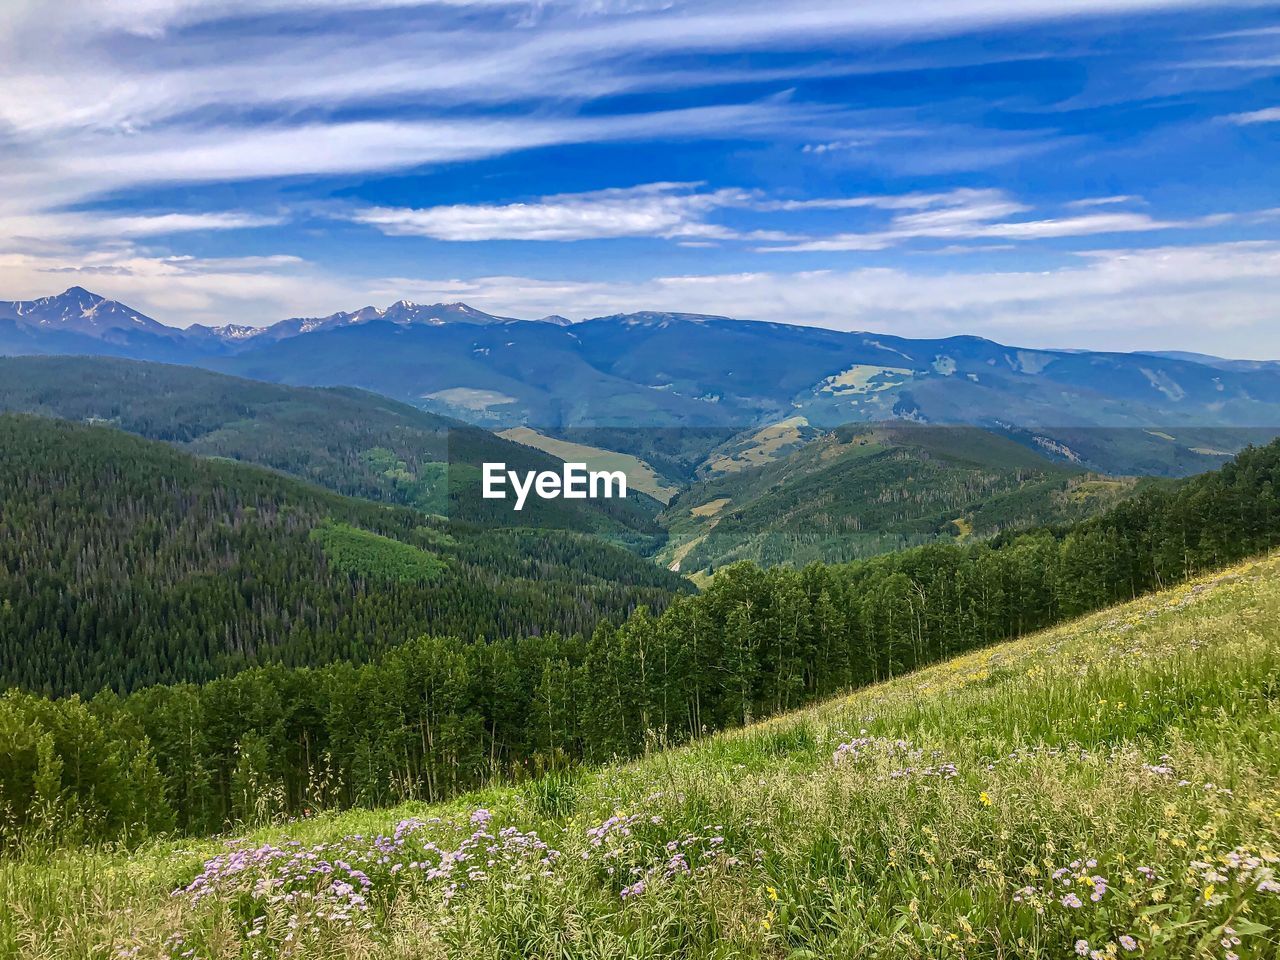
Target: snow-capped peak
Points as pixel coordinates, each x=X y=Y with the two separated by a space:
x=78 y=310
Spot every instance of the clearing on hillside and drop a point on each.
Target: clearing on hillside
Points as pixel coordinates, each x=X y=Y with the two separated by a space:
x=640 y=475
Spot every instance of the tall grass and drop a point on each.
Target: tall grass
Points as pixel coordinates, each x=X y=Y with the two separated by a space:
x=1107 y=788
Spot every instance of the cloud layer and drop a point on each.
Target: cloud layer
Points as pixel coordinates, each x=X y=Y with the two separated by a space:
x=1073 y=172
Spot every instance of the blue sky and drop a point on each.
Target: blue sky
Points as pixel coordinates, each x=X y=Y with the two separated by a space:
x=1073 y=173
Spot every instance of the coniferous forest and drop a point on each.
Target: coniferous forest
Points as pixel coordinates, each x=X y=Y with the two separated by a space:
x=452 y=710
x=124 y=562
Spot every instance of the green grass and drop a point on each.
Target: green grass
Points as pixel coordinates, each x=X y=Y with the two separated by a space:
x=1145 y=738
x=640 y=476
x=372 y=555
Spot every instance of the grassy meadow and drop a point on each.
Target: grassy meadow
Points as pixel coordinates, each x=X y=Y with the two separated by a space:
x=640 y=475
x=1108 y=788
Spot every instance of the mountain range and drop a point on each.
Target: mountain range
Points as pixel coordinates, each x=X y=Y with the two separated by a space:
x=640 y=374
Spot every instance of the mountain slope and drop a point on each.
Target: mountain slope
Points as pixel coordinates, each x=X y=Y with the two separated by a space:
x=76 y=310
x=861 y=490
x=500 y=374
x=355 y=443
x=1104 y=785
x=124 y=561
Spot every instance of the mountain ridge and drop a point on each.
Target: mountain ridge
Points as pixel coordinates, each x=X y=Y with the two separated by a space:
x=663 y=370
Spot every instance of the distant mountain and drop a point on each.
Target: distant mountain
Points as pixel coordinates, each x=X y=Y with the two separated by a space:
x=78 y=311
x=867 y=489
x=402 y=313
x=1220 y=363
x=711 y=377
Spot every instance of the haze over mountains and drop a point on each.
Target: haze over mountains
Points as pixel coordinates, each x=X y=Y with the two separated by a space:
x=669 y=370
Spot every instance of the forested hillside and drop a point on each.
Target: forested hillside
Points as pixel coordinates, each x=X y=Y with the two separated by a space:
x=351 y=441
x=863 y=490
x=125 y=562
x=436 y=716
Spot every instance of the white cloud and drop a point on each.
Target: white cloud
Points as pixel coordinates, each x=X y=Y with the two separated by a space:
x=671 y=210
x=86 y=92
x=680 y=210
x=1122 y=299
x=19 y=232
x=1268 y=115
x=1165 y=298
x=981 y=215
x=109 y=161
x=1104 y=201
x=960 y=197
x=180 y=290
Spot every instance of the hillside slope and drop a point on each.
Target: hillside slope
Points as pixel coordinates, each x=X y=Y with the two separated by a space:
x=1109 y=785
x=125 y=562
x=351 y=441
x=862 y=490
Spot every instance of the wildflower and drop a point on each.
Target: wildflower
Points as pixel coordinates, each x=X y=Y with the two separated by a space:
x=773 y=893
x=986 y=800
x=1072 y=901
x=1128 y=943
x=1082 y=948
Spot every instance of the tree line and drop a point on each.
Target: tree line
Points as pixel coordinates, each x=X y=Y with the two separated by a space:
x=438 y=715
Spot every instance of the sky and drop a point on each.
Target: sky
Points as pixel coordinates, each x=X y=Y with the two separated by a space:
x=1093 y=174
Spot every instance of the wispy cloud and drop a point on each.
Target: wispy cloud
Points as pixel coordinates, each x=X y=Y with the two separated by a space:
x=19 y=232
x=670 y=210
x=1128 y=298
x=231 y=153
x=1133 y=298
x=684 y=211
x=145 y=91
x=1267 y=115
x=983 y=215
x=964 y=199
x=1103 y=201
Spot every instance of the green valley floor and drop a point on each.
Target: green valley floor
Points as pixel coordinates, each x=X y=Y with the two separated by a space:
x=1109 y=788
